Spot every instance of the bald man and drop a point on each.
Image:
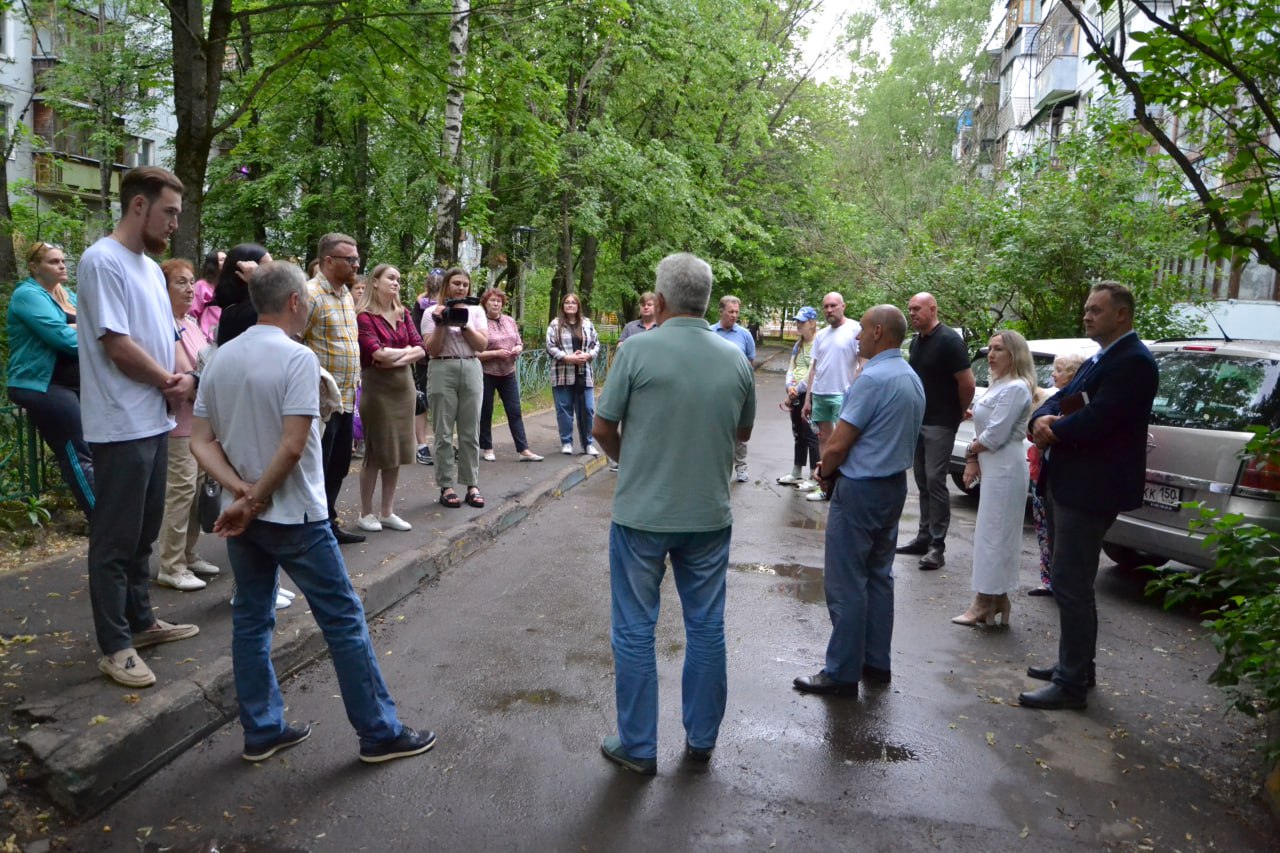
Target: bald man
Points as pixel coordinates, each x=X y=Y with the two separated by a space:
x=831 y=372
x=941 y=360
x=864 y=469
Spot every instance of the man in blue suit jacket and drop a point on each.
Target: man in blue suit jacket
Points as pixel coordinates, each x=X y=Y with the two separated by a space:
x=1094 y=434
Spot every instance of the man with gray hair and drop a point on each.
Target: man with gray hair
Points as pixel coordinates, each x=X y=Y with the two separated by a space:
x=864 y=470
x=256 y=431
x=674 y=505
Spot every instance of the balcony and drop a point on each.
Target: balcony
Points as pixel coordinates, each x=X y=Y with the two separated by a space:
x=1014 y=114
x=55 y=176
x=1056 y=81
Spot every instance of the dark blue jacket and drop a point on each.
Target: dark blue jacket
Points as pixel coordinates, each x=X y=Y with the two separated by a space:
x=1099 y=462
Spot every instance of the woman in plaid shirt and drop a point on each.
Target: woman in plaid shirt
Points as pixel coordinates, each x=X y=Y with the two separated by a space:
x=572 y=344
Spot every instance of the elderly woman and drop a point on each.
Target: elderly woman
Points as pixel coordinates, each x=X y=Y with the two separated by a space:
x=498 y=363
x=806 y=440
x=1064 y=370
x=180 y=528
x=572 y=344
x=389 y=347
x=996 y=456
x=454 y=387
x=44 y=370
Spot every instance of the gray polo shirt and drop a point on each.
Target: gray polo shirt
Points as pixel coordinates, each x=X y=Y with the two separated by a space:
x=678 y=426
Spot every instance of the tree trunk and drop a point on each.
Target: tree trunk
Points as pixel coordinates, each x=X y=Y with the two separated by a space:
x=8 y=259
x=451 y=139
x=587 y=270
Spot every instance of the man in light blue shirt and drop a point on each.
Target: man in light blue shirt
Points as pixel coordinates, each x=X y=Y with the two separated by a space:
x=728 y=328
x=682 y=425
x=864 y=470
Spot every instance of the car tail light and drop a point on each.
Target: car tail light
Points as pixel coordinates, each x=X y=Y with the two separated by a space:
x=1258 y=478
x=1199 y=348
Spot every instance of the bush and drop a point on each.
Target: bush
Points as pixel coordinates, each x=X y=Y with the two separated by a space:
x=1244 y=586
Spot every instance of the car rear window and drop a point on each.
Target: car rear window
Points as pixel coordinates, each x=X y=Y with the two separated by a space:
x=1219 y=392
x=1044 y=369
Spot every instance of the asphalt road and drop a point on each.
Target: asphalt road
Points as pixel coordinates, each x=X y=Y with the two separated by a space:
x=507 y=658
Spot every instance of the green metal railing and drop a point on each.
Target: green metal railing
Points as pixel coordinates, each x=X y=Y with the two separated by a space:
x=21 y=456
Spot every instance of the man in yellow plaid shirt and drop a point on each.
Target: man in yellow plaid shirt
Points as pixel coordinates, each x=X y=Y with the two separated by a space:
x=332 y=335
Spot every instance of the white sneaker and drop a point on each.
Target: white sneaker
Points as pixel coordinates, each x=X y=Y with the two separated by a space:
x=789 y=480
x=807 y=485
x=567 y=449
x=592 y=450
x=287 y=593
x=816 y=495
x=127 y=668
x=742 y=476
x=201 y=566
x=370 y=523
x=394 y=522
x=530 y=456
x=282 y=601
x=489 y=456
x=182 y=580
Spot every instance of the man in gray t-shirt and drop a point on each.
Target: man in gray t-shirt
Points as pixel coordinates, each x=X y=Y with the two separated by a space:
x=675 y=504
x=256 y=431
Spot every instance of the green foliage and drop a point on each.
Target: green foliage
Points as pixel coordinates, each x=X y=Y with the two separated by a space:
x=1244 y=587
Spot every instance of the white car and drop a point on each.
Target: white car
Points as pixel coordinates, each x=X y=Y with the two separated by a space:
x=1042 y=353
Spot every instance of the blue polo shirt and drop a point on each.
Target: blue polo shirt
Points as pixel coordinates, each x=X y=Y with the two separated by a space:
x=739 y=337
x=886 y=404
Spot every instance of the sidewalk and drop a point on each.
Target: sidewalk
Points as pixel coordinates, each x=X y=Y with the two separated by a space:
x=86 y=740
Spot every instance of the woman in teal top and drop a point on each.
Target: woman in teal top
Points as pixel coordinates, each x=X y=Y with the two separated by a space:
x=44 y=367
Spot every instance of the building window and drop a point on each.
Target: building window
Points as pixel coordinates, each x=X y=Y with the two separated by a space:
x=142 y=152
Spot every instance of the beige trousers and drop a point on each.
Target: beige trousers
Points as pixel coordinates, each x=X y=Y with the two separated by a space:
x=180 y=527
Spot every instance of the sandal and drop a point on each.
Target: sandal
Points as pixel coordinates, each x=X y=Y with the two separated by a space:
x=474 y=498
x=449 y=498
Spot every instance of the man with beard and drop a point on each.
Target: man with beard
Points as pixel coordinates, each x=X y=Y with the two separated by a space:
x=332 y=335
x=125 y=333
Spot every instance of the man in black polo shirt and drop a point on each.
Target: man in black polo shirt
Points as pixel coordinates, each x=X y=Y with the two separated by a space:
x=940 y=358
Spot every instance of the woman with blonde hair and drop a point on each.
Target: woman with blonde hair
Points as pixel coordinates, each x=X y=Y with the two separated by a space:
x=996 y=457
x=389 y=346
x=44 y=367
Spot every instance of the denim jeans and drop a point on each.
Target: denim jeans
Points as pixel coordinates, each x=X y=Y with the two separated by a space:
x=862 y=531
x=309 y=555
x=699 y=562
x=570 y=400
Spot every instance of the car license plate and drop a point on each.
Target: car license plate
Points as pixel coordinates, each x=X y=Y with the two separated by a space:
x=1161 y=496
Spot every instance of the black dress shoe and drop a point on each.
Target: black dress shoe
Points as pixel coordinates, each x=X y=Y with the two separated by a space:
x=933 y=561
x=1045 y=673
x=696 y=754
x=916 y=547
x=825 y=685
x=1051 y=697
x=1039 y=590
x=345 y=538
x=876 y=675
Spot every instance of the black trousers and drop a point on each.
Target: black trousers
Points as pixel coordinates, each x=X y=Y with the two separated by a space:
x=55 y=414
x=507 y=388
x=806 y=438
x=335 y=450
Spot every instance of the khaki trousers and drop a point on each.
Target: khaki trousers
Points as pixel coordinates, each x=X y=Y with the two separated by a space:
x=180 y=527
x=454 y=389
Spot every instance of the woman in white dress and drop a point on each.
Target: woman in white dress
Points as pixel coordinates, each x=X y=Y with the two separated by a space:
x=996 y=457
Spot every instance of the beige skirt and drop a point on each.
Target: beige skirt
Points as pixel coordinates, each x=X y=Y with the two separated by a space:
x=386 y=415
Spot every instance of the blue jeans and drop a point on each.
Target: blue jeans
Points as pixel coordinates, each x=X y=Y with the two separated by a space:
x=309 y=555
x=699 y=562
x=568 y=401
x=862 y=531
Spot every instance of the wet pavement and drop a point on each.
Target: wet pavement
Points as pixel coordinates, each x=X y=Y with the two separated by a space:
x=506 y=655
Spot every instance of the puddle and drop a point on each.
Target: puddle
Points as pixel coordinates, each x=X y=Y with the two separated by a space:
x=230 y=845
x=807 y=524
x=875 y=751
x=545 y=698
x=803 y=582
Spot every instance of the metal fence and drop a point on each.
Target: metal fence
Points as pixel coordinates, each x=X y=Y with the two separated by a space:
x=24 y=468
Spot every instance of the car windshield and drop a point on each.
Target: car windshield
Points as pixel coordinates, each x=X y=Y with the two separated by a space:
x=1044 y=369
x=1218 y=392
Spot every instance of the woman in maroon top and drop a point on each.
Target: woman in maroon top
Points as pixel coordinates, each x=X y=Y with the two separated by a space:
x=498 y=362
x=389 y=346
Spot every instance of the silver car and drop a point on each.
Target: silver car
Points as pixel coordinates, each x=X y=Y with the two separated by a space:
x=1210 y=392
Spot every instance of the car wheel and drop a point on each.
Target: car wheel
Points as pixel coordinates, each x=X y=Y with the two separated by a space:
x=1130 y=558
x=958 y=479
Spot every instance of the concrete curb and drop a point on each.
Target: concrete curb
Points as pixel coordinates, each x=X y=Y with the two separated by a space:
x=84 y=771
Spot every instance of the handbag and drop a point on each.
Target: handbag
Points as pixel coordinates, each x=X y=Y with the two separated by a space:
x=420 y=403
x=209 y=502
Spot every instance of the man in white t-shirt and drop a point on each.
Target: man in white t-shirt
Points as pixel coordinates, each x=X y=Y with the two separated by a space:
x=126 y=337
x=834 y=366
x=257 y=432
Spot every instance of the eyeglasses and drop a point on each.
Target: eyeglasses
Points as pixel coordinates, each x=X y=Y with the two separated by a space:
x=354 y=260
x=39 y=249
